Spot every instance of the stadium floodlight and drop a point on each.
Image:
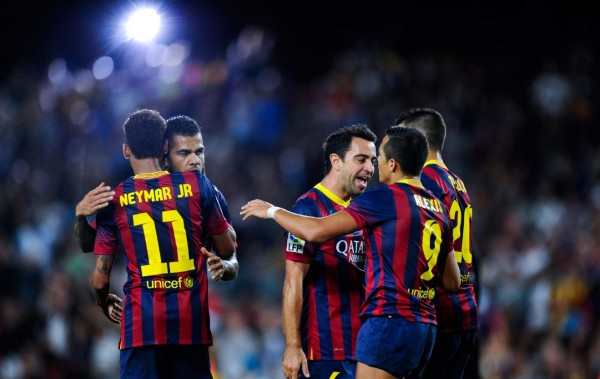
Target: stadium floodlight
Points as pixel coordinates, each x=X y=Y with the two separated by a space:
x=143 y=25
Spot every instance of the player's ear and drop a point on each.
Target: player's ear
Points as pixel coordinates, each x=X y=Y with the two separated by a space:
x=335 y=161
x=394 y=165
x=166 y=148
x=126 y=152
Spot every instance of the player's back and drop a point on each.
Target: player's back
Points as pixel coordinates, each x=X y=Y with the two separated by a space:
x=158 y=220
x=459 y=308
x=409 y=235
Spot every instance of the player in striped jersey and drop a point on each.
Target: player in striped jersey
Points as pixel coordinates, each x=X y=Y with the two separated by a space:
x=157 y=221
x=323 y=290
x=184 y=152
x=409 y=250
x=458 y=321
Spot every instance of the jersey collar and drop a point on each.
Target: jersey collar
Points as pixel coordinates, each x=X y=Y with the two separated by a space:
x=435 y=162
x=411 y=182
x=332 y=196
x=150 y=175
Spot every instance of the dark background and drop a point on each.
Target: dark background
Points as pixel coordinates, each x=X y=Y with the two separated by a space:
x=309 y=33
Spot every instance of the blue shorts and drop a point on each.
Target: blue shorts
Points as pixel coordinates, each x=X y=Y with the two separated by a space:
x=166 y=362
x=330 y=370
x=450 y=354
x=395 y=345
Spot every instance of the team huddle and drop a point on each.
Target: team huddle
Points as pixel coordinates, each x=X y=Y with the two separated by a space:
x=377 y=280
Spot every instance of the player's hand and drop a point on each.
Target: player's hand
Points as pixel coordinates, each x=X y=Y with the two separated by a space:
x=94 y=200
x=293 y=359
x=215 y=264
x=113 y=308
x=257 y=208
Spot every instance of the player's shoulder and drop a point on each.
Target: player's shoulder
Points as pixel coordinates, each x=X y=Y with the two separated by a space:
x=191 y=176
x=378 y=189
x=307 y=197
x=188 y=174
x=307 y=203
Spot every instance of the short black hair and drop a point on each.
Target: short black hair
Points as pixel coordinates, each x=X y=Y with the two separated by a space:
x=145 y=133
x=428 y=121
x=339 y=141
x=181 y=125
x=407 y=145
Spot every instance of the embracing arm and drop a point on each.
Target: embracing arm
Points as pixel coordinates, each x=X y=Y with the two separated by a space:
x=224 y=263
x=311 y=229
x=91 y=203
x=85 y=234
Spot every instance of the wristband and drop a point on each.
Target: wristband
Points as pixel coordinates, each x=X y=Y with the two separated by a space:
x=271 y=211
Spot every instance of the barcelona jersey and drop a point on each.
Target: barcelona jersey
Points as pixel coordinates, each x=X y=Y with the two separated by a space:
x=333 y=285
x=157 y=221
x=457 y=311
x=408 y=236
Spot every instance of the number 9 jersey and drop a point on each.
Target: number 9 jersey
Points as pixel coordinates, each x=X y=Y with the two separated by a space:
x=408 y=235
x=157 y=221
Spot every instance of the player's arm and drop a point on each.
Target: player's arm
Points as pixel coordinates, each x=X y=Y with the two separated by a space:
x=92 y=202
x=224 y=264
x=311 y=229
x=100 y=285
x=451 y=275
x=222 y=269
x=293 y=356
x=85 y=234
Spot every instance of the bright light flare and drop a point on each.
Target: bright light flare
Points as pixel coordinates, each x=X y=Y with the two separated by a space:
x=143 y=25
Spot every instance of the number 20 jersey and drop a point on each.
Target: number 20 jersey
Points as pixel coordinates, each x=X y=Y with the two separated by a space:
x=457 y=311
x=157 y=220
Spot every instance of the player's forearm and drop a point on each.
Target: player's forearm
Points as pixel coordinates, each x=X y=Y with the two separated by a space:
x=231 y=266
x=451 y=275
x=85 y=234
x=101 y=296
x=100 y=279
x=304 y=227
x=291 y=313
x=224 y=244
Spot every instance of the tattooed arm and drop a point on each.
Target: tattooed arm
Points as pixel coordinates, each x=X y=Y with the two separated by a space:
x=100 y=284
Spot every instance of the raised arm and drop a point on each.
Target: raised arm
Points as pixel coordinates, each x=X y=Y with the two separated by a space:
x=92 y=202
x=311 y=229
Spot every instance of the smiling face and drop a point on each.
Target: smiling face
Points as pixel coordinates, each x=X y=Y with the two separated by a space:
x=358 y=166
x=186 y=153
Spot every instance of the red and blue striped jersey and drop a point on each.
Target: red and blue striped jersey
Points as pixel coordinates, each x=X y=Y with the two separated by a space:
x=157 y=221
x=333 y=287
x=457 y=311
x=408 y=235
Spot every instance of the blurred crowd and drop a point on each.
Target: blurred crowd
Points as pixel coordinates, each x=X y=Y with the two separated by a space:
x=522 y=133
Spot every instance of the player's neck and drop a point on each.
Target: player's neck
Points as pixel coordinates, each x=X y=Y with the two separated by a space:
x=399 y=175
x=331 y=183
x=141 y=166
x=435 y=155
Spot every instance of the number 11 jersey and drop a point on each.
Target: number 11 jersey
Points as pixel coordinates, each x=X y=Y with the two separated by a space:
x=157 y=221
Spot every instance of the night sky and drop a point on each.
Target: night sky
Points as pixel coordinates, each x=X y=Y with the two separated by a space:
x=308 y=33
